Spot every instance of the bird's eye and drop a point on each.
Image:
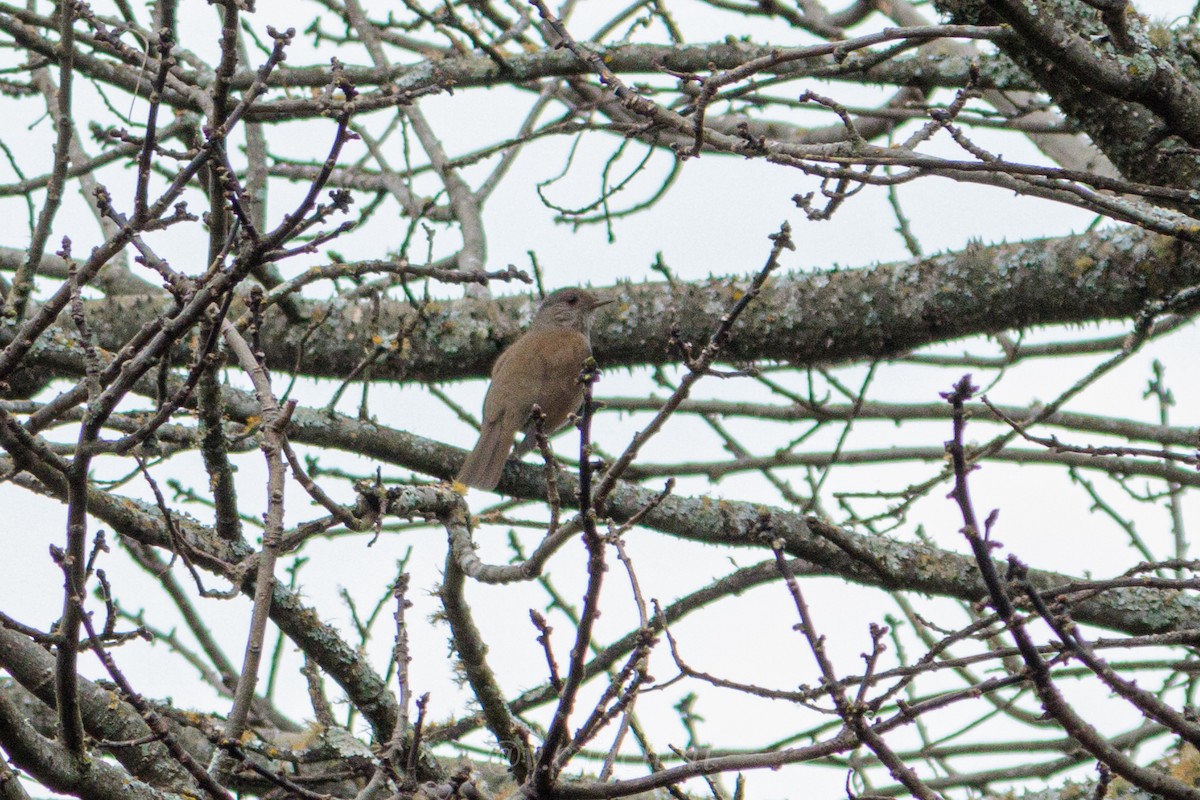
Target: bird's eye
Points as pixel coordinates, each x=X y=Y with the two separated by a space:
x=572 y=299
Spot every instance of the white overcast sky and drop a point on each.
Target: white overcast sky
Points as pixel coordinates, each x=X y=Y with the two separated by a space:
x=714 y=221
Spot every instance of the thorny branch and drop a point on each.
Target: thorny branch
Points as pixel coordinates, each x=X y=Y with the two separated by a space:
x=267 y=208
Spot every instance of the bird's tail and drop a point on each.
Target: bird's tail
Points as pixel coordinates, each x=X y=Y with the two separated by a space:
x=485 y=463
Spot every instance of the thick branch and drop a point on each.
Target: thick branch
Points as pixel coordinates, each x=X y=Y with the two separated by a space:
x=807 y=318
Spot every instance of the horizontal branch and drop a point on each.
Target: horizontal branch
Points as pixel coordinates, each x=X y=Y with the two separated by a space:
x=470 y=70
x=1129 y=429
x=1121 y=466
x=893 y=564
x=809 y=318
x=910 y=566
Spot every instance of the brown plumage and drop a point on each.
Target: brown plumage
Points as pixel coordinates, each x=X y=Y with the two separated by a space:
x=540 y=368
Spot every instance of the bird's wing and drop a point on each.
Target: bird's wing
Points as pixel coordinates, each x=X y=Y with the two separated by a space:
x=559 y=391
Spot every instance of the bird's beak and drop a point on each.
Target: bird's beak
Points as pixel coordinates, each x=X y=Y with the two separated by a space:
x=604 y=302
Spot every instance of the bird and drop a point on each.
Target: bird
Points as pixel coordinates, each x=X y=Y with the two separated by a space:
x=540 y=368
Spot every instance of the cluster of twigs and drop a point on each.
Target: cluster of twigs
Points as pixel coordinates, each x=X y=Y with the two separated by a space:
x=118 y=356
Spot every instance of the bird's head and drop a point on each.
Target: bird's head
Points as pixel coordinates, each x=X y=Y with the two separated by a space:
x=568 y=308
